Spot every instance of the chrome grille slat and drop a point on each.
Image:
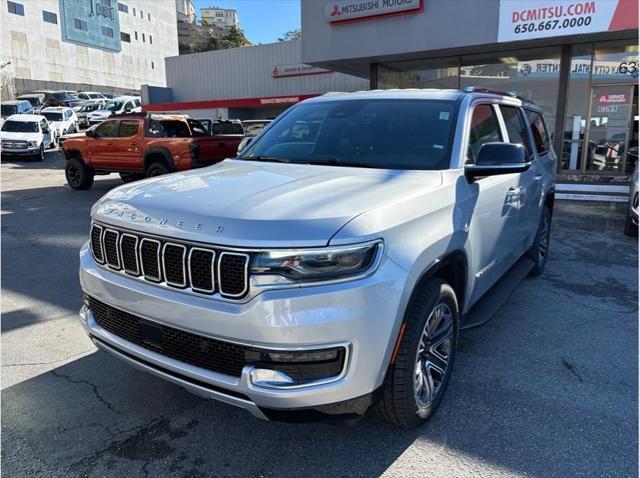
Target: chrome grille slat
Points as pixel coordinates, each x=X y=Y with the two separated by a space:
x=173 y=266
x=210 y=271
x=110 y=248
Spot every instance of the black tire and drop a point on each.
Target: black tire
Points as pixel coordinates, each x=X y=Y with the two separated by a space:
x=400 y=402
x=79 y=175
x=539 y=250
x=130 y=177
x=40 y=154
x=53 y=144
x=630 y=229
x=156 y=168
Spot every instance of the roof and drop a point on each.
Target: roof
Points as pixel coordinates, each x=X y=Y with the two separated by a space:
x=29 y=118
x=32 y=95
x=124 y=97
x=12 y=102
x=55 y=109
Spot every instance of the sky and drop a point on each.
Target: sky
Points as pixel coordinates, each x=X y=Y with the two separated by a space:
x=263 y=21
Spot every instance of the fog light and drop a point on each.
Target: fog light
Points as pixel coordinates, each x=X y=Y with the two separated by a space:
x=294 y=356
x=270 y=378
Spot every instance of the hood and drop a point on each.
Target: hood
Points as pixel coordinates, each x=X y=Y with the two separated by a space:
x=20 y=136
x=99 y=114
x=258 y=204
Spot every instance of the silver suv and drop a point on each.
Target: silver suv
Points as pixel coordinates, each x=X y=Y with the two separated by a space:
x=328 y=268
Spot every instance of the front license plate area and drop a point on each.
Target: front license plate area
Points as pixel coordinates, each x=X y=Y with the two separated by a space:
x=151 y=334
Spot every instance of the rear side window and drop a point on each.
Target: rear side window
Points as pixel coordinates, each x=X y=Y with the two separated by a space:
x=227 y=128
x=108 y=129
x=516 y=127
x=540 y=136
x=484 y=129
x=128 y=129
x=176 y=129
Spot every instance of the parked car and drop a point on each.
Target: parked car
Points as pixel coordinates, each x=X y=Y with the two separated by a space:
x=116 y=106
x=59 y=98
x=109 y=96
x=251 y=129
x=91 y=95
x=26 y=135
x=13 y=107
x=86 y=108
x=36 y=100
x=62 y=120
x=330 y=267
x=631 y=217
x=141 y=145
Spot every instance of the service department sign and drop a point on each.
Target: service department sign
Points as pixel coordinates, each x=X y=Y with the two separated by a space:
x=297 y=69
x=344 y=10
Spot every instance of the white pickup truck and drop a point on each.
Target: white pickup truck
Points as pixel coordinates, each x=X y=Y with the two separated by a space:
x=329 y=268
x=26 y=135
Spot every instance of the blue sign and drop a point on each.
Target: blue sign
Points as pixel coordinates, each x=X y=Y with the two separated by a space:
x=93 y=23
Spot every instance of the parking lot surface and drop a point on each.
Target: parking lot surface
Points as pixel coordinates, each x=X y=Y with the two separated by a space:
x=548 y=388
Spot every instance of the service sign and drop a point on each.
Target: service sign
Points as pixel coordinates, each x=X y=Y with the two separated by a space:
x=528 y=19
x=340 y=11
x=298 y=69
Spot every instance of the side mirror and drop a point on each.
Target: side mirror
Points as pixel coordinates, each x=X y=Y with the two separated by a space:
x=499 y=158
x=91 y=133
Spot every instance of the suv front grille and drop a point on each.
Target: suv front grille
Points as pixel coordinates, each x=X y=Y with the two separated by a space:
x=173 y=264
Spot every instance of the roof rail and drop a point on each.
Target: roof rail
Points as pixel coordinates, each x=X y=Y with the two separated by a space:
x=513 y=94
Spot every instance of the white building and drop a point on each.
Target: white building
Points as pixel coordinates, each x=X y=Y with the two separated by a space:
x=96 y=44
x=220 y=17
x=186 y=11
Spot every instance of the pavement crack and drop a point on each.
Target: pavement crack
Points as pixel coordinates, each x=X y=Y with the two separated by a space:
x=27 y=364
x=571 y=368
x=93 y=387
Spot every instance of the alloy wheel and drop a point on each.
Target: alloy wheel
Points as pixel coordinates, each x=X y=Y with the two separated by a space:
x=73 y=175
x=433 y=356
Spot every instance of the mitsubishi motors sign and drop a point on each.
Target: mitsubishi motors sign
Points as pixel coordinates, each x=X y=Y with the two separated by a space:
x=354 y=10
x=528 y=19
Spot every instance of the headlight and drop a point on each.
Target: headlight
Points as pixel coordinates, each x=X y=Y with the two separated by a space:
x=33 y=144
x=311 y=265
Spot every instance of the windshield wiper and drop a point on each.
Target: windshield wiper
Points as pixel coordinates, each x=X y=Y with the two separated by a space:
x=271 y=159
x=338 y=162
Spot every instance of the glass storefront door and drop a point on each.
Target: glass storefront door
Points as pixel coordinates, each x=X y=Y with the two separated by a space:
x=609 y=128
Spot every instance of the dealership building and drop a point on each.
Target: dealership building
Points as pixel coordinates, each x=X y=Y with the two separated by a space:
x=577 y=59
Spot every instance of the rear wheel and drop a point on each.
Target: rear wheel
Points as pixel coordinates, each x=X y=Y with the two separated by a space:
x=539 y=250
x=416 y=382
x=630 y=229
x=78 y=174
x=156 y=169
x=130 y=177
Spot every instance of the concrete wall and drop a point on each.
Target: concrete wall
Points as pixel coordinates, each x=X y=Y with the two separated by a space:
x=247 y=73
x=39 y=52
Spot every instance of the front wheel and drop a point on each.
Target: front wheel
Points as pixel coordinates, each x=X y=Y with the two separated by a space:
x=539 y=250
x=630 y=228
x=421 y=366
x=156 y=169
x=78 y=174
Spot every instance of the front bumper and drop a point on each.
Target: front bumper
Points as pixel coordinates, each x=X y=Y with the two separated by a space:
x=20 y=152
x=363 y=314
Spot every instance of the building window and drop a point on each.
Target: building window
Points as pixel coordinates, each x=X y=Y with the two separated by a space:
x=123 y=7
x=125 y=37
x=135 y=34
x=80 y=24
x=143 y=37
x=141 y=14
x=134 y=11
x=16 y=8
x=153 y=65
x=49 y=17
x=150 y=39
x=106 y=31
x=149 y=16
x=441 y=73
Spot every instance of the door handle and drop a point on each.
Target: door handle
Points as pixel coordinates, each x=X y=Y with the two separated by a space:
x=513 y=192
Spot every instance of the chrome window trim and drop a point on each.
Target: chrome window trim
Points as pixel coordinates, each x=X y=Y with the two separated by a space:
x=184 y=270
x=98 y=226
x=135 y=251
x=246 y=273
x=146 y=276
x=213 y=271
x=104 y=249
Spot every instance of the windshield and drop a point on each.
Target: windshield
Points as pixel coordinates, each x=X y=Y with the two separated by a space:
x=52 y=116
x=92 y=107
x=8 y=110
x=20 y=126
x=63 y=95
x=252 y=129
x=379 y=133
x=114 y=105
x=34 y=100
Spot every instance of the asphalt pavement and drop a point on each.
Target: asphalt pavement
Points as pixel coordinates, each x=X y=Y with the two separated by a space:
x=548 y=388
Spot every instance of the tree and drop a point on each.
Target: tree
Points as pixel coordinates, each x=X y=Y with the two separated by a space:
x=291 y=35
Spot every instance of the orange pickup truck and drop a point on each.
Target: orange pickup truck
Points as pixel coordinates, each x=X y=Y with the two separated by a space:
x=143 y=145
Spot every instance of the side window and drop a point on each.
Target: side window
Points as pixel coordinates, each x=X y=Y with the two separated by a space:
x=67 y=114
x=43 y=126
x=108 y=129
x=540 y=137
x=484 y=129
x=516 y=126
x=156 y=130
x=128 y=129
